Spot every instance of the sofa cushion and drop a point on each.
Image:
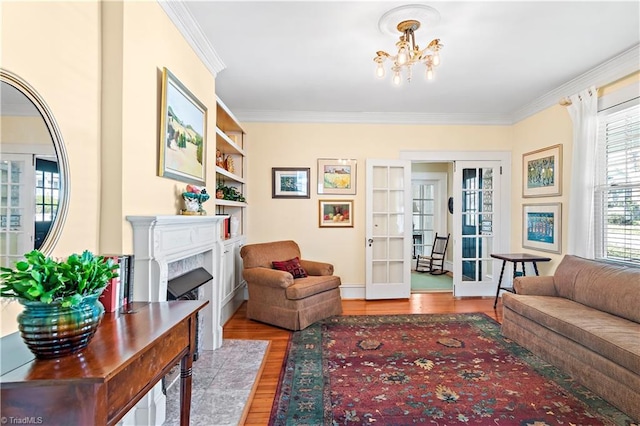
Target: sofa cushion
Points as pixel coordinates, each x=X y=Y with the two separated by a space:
x=606 y=287
x=610 y=336
x=291 y=266
x=305 y=287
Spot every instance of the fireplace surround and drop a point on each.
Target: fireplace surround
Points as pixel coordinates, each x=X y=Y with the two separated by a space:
x=160 y=242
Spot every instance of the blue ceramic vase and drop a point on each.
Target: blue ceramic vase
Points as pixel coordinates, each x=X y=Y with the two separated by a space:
x=53 y=331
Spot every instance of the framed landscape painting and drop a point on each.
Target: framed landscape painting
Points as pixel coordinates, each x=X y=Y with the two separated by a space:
x=542 y=172
x=336 y=176
x=541 y=226
x=290 y=182
x=182 y=133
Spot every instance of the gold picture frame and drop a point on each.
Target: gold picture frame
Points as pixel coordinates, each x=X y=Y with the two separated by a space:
x=337 y=176
x=542 y=172
x=336 y=213
x=183 y=131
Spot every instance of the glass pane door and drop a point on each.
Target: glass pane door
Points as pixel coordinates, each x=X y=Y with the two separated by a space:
x=476 y=227
x=16 y=208
x=423 y=217
x=388 y=227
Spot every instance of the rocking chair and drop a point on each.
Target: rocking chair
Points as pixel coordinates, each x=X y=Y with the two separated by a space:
x=434 y=264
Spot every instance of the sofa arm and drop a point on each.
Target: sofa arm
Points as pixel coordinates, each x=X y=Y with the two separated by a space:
x=267 y=277
x=316 y=268
x=536 y=286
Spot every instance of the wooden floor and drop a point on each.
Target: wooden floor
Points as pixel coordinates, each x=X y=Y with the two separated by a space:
x=238 y=327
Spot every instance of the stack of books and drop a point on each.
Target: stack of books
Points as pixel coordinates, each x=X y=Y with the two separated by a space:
x=119 y=291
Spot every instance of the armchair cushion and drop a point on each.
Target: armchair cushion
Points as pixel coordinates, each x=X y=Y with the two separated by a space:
x=309 y=286
x=291 y=266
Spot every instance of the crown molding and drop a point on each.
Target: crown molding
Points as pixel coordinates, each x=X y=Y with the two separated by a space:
x=191 y=31
x=616 y=68
x=481 y=119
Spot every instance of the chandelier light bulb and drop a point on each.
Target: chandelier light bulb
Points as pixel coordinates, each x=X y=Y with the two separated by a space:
x=396 y=78
x=380 y=70
x=436 y=59
x=403 y=57
x=429 y=73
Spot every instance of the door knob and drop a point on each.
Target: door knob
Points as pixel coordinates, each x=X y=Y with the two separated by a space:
x=370 y=241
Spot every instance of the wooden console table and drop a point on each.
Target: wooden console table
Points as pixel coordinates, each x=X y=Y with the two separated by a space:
x=130 y=353
x=516 y=258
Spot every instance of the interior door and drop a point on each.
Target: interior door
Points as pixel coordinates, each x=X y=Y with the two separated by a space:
x=475 y=229
x=388 y=229
x=16 y=207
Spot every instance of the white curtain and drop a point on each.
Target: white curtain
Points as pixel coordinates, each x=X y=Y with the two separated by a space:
x=584 y=113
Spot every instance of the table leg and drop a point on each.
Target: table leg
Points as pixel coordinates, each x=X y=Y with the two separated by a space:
x=495 y=302
x=524 y=270
x=185 y=388
x=535 y=268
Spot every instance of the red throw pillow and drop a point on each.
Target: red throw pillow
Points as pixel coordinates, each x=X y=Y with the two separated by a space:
x=291 y=266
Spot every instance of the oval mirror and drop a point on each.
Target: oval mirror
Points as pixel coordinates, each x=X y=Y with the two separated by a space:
x=34 y=169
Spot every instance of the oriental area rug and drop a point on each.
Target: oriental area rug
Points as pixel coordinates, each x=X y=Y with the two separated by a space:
x=443 y=369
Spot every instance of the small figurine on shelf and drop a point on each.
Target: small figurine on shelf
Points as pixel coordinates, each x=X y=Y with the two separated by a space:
x=228 y=164
x=219 y=159
x=193 y=199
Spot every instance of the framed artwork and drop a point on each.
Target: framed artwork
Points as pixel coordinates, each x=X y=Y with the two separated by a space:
x=541 y=228
x=290 y=182
x=182 y=134
x=336 y=213
x=336 y=176
x=542 y=172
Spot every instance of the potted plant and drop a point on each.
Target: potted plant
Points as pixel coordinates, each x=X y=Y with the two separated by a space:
x=60 y=298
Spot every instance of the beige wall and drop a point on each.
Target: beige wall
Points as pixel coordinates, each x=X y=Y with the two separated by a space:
x=54 y=46
x=549 y=127
x=24 y=130
x=300 y=145
x=149 y=43
x=107 y=107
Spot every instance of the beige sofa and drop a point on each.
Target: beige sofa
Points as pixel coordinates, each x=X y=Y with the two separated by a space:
x=276 y=297
x=585 y=319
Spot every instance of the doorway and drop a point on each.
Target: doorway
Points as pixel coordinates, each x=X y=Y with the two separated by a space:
x=483 y=280
x=429 y=189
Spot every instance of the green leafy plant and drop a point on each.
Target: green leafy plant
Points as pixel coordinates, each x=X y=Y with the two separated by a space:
x=230 y=193
x=66 y=281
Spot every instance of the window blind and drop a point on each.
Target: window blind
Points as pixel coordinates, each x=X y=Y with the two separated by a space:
x=617 y=190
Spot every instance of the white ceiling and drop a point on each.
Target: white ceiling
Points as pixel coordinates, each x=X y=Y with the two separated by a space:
x=313 y=60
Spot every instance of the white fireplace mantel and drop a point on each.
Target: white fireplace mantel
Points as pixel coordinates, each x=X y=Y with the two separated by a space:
x=161 y=240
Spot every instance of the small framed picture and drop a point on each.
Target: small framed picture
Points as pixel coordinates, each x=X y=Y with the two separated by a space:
x=336 y=213
x=336 y=176
x=541 y=227
x=542 y=172
x=290 y=182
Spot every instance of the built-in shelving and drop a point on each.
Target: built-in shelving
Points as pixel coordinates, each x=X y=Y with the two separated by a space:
x=230 y=143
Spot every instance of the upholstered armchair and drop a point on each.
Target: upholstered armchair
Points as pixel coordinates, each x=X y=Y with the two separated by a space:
x=294 y=296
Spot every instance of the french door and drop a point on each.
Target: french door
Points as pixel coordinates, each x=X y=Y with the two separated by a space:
x=16 y=207
x=476 y=227
x=388 y=228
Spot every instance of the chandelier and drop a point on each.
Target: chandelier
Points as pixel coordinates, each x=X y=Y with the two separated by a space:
x=409 y=53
